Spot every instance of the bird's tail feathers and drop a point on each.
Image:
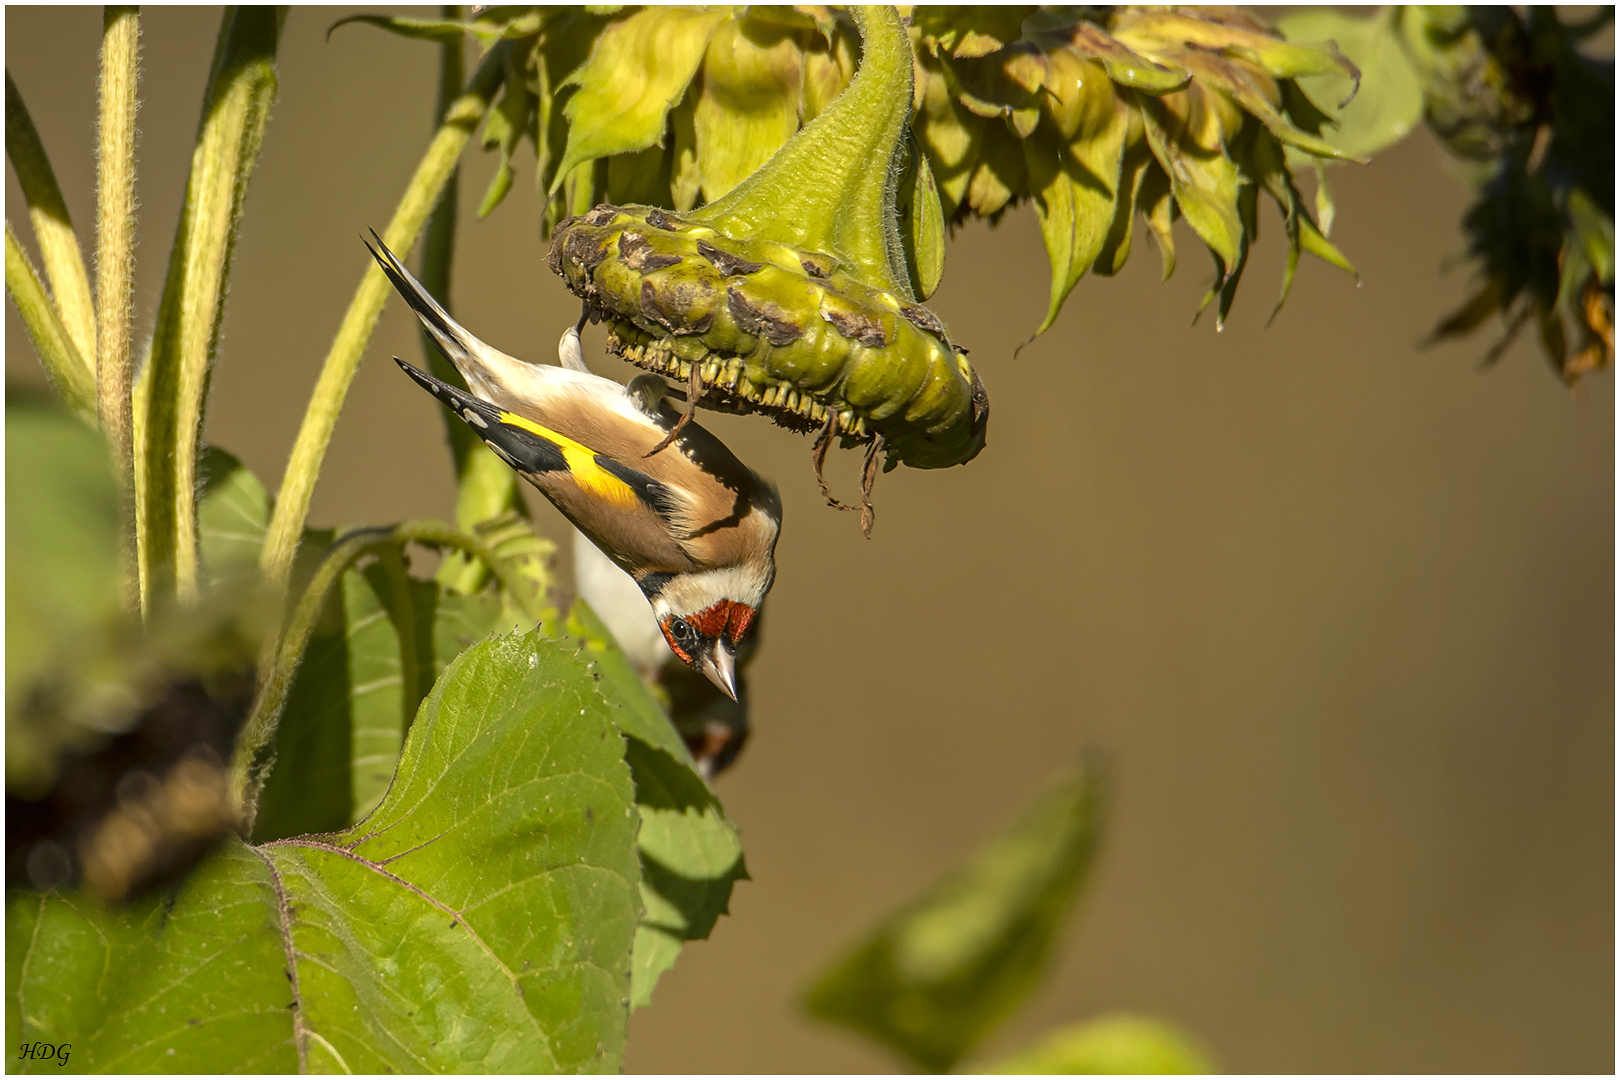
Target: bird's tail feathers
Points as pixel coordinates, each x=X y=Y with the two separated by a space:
x=453 y=340
x=456 y=399
x=523 y=450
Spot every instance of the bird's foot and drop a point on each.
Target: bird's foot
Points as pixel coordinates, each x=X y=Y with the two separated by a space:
x=869 y=473
x=818 y=459
x=694 y=392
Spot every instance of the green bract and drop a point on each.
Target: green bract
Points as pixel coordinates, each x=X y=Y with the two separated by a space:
x=1094 y=114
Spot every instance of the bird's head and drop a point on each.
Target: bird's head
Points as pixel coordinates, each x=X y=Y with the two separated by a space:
x=706 y=616
x=707 y=640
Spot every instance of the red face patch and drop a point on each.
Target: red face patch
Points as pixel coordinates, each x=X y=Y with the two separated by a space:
x=725 y=618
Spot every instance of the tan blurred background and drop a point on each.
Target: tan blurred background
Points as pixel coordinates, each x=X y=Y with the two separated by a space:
x=1339 y=608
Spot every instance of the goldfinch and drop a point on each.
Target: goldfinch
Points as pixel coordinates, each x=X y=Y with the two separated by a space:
x=695 y=527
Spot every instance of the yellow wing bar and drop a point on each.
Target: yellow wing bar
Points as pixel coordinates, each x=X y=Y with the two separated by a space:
x=582 y=464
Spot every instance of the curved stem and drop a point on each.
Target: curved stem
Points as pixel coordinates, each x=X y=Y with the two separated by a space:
x=115 y=271
x=280 y=662
x=53 y=229
x=67 y=370
x=342 y=361
x=485 y=487
x=820 y=191
x=236 y=105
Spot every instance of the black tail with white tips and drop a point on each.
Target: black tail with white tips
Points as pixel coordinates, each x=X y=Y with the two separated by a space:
x=523 y=450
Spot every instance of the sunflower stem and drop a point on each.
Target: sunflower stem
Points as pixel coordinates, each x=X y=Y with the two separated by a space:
x=69 y=374
x=236 y=104
x=115 y=271
x=53 y=229
x=485 y=487
x=343 y=359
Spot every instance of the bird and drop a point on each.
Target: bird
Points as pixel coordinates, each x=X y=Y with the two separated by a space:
x=691 y=524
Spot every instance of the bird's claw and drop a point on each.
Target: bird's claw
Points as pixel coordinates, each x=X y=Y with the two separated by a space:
x=694 y=391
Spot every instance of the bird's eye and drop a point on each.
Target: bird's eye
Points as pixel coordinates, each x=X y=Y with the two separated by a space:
x=679 y=630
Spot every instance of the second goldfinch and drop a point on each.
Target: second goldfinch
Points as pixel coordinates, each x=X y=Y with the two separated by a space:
x=695 y=527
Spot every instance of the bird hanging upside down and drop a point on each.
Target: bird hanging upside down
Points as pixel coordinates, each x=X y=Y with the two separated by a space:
x=695 y=527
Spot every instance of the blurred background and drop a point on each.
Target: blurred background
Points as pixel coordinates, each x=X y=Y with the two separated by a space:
x=1339 y=608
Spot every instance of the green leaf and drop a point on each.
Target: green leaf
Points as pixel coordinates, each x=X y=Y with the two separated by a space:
x=1158 y=207
x=233 y=512
x=1116 y=1045
x=448 y=31
x=949 y=133
x=690 y=858
x=1390 y=103
x=1205 y=182
x=969 y=30
x=1145 y=28
x=690 y=853
x=1074 y=172
x=749 y=102
x=935 y=977
x=640 y=714
x=440 y=30
x=506 y=123
x=1134 y=165
x=480 y=920
x=1053 y=30
x=357 y=689
x=343 y=723
x=637 y=70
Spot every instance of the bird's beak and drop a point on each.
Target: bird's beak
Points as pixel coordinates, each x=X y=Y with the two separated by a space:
x=721 y=668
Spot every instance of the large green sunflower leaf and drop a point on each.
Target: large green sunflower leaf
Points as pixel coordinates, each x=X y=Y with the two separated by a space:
x=690 y=853
x=481 y=919
x=62 y=574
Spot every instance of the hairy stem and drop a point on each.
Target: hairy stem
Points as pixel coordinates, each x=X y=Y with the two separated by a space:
x=343 y=359
x=53 y=229
x=66 y=369
x=485 y=487
x=276 y=672
x=236 y=105
x=115 y=270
